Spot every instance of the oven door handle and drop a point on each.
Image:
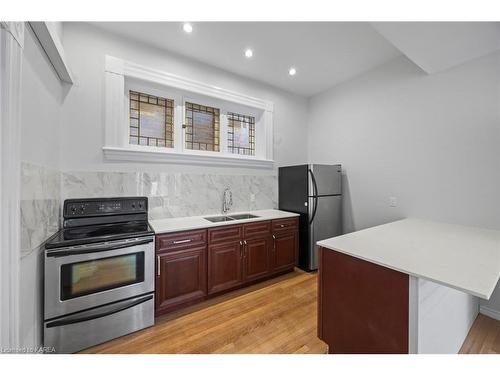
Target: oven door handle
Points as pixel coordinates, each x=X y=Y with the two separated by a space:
x=84 y=250
x=101 y=312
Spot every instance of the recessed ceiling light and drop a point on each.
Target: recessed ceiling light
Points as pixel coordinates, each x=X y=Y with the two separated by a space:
x=292 y=71
x=187 y=27
x=248 y=53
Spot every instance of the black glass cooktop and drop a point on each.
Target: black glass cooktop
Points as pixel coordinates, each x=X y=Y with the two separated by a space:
x=98 y=233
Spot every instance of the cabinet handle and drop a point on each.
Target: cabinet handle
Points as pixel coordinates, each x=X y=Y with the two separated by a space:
x=182 y=241
x=241 y=249
x=244 y=248
x=274 y=242
x=158 y=269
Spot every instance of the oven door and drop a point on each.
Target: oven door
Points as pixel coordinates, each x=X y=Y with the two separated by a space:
x=82 y=277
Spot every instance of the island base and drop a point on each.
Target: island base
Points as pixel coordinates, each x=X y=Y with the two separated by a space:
x=365 y=308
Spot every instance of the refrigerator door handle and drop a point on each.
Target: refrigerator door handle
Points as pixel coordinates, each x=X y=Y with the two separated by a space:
x=315 y=186
x=315 y=207
x=315 y=194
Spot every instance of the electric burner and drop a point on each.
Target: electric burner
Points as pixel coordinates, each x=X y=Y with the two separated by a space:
x=98 y=220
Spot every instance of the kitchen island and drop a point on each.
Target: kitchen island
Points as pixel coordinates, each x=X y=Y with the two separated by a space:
x=410 y=286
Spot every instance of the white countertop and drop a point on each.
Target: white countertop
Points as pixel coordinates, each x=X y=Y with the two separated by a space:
x=196 y=222
x=461 y=257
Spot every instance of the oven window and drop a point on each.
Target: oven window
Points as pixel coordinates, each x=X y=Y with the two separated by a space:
x=82 y=278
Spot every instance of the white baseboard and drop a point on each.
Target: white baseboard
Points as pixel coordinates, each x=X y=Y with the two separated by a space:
x=488 y=311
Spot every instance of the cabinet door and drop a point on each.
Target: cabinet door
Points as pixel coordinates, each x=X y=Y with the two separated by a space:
x=256 y=258
x=224 y=266
x=180 y=278
x=284 y=251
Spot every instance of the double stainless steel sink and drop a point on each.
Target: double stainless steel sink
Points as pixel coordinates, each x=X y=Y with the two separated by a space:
x=218 y=219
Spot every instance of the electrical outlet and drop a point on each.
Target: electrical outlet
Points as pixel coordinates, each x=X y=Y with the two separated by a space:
x=252 y=197
x=393 y=201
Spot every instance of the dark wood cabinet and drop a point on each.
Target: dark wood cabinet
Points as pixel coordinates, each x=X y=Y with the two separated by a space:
x=285 y=247
x=260 y=229
x=284 y=253
x=256 y=258
x=284 y=225
x=181 y=270
x=181 y=240
x=224 y=266
x=256 y=250
x=198 y=264
x=180 y=278
x=225 y=234
x=238 y=254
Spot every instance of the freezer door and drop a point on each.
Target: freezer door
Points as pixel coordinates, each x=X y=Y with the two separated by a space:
x=325 y=179
x=292 y=188
x=326 y=223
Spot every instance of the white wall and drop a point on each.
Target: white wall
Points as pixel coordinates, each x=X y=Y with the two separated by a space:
x=431 y=141
x=82 y=131
x=41 y=106
x=41 y=97
x=57 y=28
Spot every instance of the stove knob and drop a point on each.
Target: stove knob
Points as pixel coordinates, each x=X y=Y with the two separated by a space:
x=133 y=205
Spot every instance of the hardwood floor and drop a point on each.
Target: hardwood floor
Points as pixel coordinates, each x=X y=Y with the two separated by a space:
x=276 y=316
x=483 y=337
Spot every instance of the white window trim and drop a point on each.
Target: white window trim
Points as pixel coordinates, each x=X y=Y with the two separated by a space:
x=116 y=145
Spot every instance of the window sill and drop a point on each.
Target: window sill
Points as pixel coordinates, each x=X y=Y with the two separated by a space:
x=172 y=157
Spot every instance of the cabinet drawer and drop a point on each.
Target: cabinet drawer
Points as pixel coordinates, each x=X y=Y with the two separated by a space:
x=258 y=229
x=225 y=234
x=180 y=240
x=286 y=224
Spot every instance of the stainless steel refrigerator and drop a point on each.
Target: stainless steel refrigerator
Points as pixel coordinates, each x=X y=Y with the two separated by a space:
x=315 y=192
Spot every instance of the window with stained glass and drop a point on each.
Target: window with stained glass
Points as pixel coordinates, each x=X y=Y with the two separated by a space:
x=241 y=134
x=151 y=120
x=202 y=127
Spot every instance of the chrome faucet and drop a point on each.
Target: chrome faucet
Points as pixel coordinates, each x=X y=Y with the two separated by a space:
x=227 y=200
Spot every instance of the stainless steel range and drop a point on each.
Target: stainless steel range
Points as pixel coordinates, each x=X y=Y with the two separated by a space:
x=99 y=273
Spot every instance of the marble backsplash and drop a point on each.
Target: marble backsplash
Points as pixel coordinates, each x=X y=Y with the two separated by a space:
x=40 y=205
x=176 y=194
x=170 y=195
x=40 y=218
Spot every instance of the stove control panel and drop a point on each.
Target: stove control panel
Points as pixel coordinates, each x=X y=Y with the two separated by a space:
x=74 y=208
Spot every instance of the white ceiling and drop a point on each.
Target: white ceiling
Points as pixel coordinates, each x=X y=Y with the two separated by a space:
x=437 y=46
x=324 y=53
